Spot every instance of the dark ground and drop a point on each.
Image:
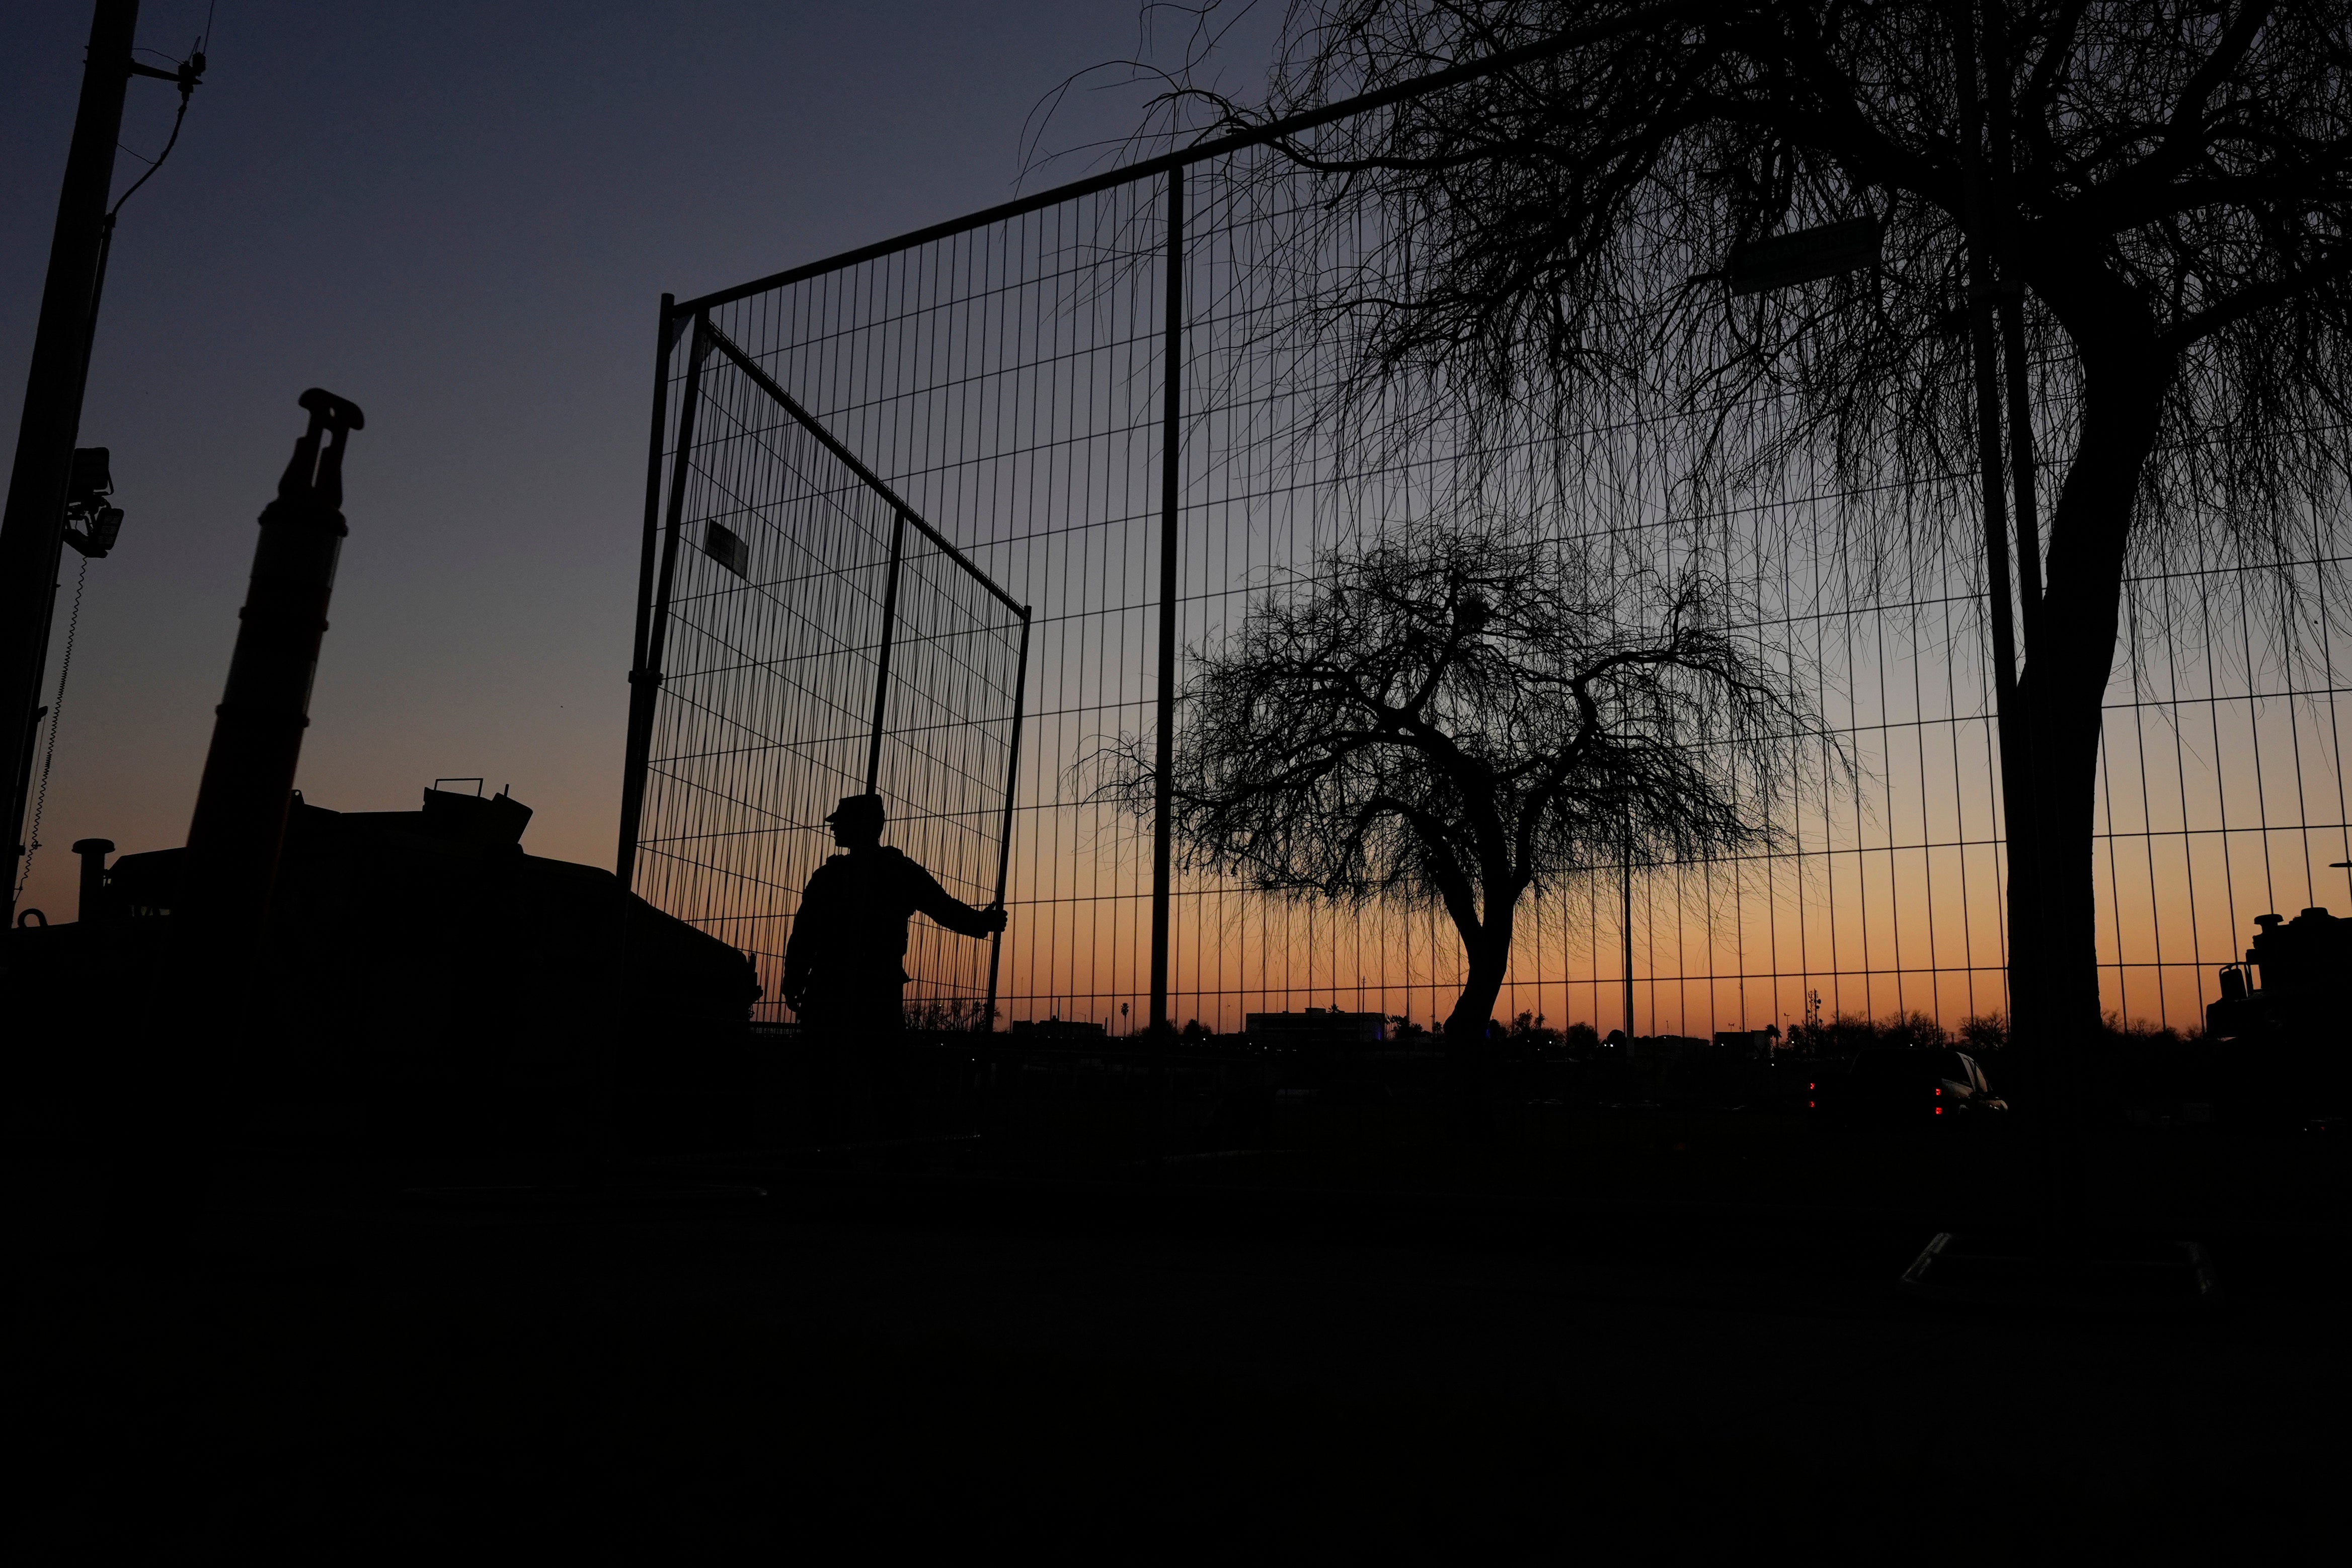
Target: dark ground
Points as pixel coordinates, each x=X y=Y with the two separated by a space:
x=1638 y=1336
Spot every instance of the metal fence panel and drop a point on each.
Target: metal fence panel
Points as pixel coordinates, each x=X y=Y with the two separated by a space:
x=1005 y=378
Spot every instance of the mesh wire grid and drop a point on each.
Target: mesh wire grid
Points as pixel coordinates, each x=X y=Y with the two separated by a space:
x=797 y=607
x=1007 y=379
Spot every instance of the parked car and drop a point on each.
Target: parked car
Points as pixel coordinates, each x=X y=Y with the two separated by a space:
x=1891 y=1084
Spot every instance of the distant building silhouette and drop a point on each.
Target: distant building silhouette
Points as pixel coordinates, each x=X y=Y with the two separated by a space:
x=418 y=961
x=1317 y=1033
x=1082 y=1031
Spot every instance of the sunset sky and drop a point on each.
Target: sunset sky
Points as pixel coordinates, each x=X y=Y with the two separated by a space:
x=461 y=217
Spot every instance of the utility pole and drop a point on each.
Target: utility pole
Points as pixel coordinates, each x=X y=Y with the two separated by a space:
x=31 y=530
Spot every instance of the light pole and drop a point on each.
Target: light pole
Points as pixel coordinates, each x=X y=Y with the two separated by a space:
x=33 y=528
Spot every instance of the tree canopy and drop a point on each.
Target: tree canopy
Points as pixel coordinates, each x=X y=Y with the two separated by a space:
x=2179 y=187
x=1454 y=713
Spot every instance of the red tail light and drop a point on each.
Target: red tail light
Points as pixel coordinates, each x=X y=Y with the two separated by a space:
x=1940 y=1094
x=1939 y=1110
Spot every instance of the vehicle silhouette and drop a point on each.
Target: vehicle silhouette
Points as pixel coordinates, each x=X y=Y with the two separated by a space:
x=1895 y=1085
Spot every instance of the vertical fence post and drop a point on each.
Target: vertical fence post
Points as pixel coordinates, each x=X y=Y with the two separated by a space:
x=1996 y=234
x=2052 y=1062
x=640 y=690
x=1170 y=476
x=1005 y=834
x=882 y=670
x=2007 y=720
x=644 y=680
x=2001 y=185
x=1625 y=930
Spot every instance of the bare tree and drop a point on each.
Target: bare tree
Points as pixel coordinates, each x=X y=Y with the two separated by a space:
x=2161 y=196
x=1457 y=713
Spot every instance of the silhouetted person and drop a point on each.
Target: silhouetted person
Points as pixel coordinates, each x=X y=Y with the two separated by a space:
x=844 y=969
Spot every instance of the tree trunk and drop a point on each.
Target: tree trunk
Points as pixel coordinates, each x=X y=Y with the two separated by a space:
x=1488 y=950
x=2054 y=930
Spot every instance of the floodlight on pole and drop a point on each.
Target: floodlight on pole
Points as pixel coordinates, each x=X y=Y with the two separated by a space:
x=33 y=524
x=1807 y=256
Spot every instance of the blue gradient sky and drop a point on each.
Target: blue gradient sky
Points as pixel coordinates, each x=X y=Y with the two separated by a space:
x=461 y=217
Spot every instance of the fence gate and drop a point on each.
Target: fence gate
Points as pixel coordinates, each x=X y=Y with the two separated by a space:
x=803 y=634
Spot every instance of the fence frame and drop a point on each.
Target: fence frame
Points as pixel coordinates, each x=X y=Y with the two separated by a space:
x=646 y=674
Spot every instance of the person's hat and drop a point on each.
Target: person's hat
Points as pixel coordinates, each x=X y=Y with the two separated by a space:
x=855 y=808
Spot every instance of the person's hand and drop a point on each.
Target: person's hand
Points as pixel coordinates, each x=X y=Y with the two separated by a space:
x=993 y=919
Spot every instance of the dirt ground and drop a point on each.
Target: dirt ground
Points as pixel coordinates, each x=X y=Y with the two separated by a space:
x=371 y=1361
